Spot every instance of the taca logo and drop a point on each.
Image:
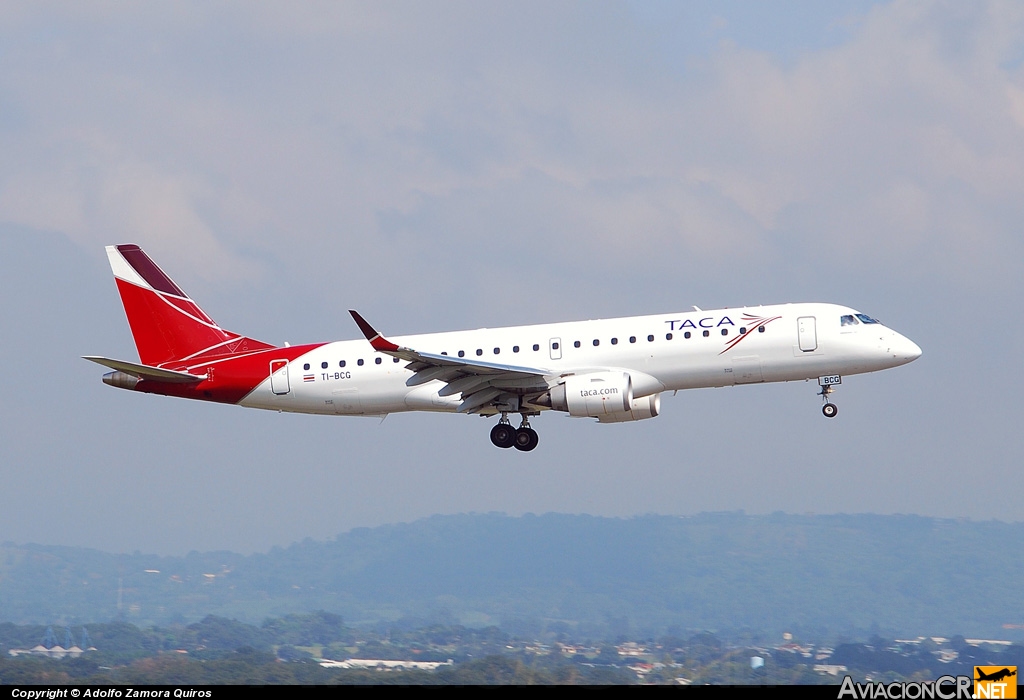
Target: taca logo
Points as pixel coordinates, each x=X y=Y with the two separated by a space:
x=707 y=322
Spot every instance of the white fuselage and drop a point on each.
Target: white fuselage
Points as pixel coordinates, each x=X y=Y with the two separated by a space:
x=662 y=352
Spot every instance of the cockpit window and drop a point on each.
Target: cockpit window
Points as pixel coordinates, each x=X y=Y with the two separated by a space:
x=864 y=318
x=848 y=320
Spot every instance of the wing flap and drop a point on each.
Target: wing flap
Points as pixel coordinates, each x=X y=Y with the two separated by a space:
x=480 y=383
x=429 y=360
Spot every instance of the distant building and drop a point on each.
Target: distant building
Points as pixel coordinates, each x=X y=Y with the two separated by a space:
x=54 y=652
x=386 y=664
x=830 y=669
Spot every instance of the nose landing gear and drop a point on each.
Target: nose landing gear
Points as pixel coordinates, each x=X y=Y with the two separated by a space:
x=828 y=385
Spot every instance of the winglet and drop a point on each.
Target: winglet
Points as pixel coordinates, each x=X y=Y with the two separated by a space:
x=379 y=342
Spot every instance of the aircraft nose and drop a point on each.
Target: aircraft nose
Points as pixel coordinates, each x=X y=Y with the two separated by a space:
x=905 y=349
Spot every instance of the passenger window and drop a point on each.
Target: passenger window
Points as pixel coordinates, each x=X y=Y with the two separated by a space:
x=497 y=351
x=760 y=329
x=668 y=336
x=615 y=341
x=596 y=342
x=515 y=348
x=341 y=364
x=305 y=366
x=462 y=353
x=686 y=335
x=725 y=331
x=632 y=338
x=576 y=344
x=479 y=352
x=707 y=334
x=743 y=330
x=650 y=339
x=554 y=346
x=359 y=362
x=443 y=352
x=376 y=361
x=537 y=347
x=394 y=359
x=323 y=365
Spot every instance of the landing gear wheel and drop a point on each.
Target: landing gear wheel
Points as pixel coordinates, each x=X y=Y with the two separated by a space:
x=503 y=435
x=830 y=410
x=526 y=439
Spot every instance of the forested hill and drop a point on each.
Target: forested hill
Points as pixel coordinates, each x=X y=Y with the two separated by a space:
x=588 y=575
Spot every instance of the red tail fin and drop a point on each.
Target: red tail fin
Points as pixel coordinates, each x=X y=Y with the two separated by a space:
x=168 y=327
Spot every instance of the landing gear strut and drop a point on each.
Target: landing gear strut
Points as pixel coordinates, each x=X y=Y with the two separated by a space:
x=526 y=437
x=829 y=410
x=503 y=434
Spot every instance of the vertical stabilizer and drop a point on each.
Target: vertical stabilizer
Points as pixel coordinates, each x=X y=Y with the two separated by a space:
x=168 y=327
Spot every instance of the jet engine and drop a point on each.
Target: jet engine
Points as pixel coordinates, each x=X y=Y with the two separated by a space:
x=639 y=409
x=592 y=395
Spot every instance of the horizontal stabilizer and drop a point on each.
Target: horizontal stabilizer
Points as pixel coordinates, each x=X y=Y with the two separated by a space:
x=145 y=371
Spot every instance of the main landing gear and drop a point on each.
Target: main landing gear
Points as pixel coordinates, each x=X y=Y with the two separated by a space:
x=504 y=435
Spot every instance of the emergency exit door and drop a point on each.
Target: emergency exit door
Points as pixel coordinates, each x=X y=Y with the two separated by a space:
x=807 y=333
x=279 y=377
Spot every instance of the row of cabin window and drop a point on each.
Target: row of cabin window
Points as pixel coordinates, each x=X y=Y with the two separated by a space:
x=323 y=365
x=515 y=348
x=554 y=346
x=650 y=338
x=614 y=341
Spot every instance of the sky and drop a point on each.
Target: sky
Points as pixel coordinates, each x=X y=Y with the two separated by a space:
x=447 y=165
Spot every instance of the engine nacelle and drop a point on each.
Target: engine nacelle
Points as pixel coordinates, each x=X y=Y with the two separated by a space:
x=593 y=395
x=645 y=407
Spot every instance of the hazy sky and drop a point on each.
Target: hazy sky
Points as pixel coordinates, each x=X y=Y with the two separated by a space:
x=455 y=165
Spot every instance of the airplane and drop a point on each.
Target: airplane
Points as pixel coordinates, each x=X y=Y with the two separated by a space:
x=614 y=370
x=995 y=675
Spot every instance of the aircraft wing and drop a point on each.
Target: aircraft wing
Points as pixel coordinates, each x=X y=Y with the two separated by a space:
x=480 y=383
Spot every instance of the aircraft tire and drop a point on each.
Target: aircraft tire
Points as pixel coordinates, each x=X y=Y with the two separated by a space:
x=503 y=435
x=526 y=439
x=830 y=410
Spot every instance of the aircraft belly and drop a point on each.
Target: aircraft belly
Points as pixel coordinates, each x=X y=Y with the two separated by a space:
x=692 y=372
x=377 y=395
x=426 y=398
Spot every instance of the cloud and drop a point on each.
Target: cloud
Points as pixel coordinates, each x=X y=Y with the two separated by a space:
x=458 y=165
x=238 y=127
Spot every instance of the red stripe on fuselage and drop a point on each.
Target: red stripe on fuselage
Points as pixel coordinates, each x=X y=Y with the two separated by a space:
x=229 y=379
